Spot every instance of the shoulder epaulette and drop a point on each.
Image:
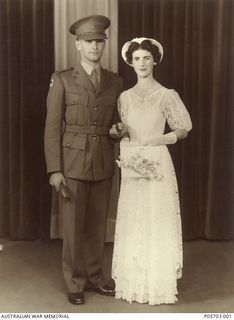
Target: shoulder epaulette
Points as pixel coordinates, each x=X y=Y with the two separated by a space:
x=63 y=73
x=65 y=70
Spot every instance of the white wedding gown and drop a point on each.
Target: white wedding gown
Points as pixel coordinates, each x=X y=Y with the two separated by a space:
x=147 y=257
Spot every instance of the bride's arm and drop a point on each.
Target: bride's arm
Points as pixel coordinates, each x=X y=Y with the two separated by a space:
x=178 y=119
x=168 y=138
x=119 y=129
x=181 y=133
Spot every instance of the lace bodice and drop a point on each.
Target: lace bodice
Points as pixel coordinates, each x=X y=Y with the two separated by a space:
x=147 y=116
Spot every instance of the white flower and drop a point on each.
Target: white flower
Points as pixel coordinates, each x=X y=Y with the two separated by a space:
x=147 y=168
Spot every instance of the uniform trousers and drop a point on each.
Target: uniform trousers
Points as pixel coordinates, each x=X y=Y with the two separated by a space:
x=84 y=229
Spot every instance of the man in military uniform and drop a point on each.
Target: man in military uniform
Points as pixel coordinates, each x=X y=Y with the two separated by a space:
x=81 y=109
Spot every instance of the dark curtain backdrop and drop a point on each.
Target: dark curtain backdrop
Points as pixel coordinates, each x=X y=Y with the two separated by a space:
x=198 y=39
x=197 y=36
x=26 y=62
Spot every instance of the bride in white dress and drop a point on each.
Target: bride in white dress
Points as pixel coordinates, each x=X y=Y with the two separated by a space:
x=147 y=257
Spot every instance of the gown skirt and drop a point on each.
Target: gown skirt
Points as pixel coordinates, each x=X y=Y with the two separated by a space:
x=147 y=257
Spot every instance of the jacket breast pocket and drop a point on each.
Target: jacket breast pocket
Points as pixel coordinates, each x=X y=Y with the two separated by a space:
x=76 y=108
x=109 y=100
x=109 y=107
x=74 y=141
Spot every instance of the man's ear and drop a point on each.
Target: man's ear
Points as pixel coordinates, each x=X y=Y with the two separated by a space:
x=104 y=44
x=77 y=43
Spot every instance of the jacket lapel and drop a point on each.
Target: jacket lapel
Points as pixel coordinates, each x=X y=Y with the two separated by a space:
x=82 y=79
x=105 y=81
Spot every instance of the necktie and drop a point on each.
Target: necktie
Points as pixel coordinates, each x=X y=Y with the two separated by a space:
x=94 y=78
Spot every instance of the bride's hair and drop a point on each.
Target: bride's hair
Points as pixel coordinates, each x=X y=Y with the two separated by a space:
x=144 y=45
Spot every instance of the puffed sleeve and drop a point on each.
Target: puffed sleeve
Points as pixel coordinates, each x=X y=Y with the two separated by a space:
x=175 y=112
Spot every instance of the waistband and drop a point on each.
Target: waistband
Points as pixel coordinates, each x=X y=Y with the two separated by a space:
x=93 y=130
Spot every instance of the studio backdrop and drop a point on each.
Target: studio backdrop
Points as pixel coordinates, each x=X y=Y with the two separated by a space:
x=197 y=36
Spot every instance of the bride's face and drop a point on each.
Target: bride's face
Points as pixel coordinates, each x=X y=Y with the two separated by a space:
x=143 y=63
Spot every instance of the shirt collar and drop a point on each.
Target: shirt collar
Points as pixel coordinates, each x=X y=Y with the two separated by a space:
x=89 y=68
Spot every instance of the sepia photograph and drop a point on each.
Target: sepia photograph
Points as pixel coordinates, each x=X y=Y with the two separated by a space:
x=116 y=158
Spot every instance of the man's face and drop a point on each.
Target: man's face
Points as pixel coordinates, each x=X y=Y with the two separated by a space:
x=90 y=50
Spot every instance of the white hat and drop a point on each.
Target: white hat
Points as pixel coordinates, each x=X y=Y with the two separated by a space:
x=140 y=40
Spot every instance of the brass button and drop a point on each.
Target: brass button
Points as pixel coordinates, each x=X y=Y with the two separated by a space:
x=95 y=108
x=94 y=123
x=94 y=137
x=68 y=145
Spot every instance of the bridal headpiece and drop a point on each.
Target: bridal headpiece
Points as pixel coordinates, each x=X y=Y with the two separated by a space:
x=139 y=40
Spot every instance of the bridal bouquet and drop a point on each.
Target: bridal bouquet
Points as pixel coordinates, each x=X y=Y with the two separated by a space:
x=140 y=164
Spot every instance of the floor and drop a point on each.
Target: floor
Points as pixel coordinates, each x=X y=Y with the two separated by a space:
x=31 y=281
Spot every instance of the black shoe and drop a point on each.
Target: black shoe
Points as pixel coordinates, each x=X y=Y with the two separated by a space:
x=105 y=290
x=76 y=297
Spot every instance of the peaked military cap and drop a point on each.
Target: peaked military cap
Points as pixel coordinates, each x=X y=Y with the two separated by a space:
x=91 y=28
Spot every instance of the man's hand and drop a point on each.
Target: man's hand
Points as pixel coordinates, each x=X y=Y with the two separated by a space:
x=56 y=179
x=118 y=130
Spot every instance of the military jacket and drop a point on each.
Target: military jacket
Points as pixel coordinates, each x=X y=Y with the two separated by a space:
x=77 y=140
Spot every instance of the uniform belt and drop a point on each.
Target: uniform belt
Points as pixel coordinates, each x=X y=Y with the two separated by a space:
x=94 y=130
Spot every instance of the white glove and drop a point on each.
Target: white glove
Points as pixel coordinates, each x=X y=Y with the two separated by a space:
x=168 y=138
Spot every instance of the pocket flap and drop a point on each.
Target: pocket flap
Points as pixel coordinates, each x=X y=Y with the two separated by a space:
x=75 y=141
x=74 y=99
x=109 y=100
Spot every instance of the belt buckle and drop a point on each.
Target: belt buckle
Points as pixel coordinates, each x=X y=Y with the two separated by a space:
x=93 y=131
